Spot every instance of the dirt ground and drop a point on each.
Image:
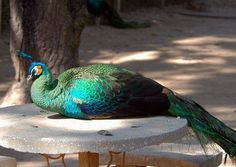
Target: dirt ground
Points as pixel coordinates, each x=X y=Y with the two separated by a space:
x=195 y=56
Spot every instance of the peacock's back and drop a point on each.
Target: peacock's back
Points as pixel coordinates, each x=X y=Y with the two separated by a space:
x=109 y=91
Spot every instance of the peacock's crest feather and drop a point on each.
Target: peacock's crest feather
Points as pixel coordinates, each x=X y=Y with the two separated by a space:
x=24 y=55
x=36 y=68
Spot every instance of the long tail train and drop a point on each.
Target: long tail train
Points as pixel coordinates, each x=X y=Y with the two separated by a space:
x=203 y=123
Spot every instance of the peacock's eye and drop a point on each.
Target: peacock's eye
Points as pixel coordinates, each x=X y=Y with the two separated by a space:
x=37 y=70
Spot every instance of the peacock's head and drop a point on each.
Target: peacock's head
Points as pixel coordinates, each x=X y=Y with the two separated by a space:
x=36 y=70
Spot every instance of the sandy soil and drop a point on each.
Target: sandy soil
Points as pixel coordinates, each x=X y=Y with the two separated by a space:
x=193 y=56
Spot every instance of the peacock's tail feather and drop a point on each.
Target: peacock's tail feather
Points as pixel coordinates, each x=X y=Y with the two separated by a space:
x=203 y=124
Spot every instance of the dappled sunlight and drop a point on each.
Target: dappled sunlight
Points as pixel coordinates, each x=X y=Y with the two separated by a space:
x=181 y=75
x=208 y=50
x=5 y=123
x=221 y=109
x=206 y=46
x=185 y=61
x=185 y=89
x=204 y=40
x=228 y=70
x=126 y=57
x=141 y=56
x=187 y=77
x=83 y=125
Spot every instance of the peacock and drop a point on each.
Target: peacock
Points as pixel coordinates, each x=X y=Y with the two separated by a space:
x=101 y=91
x=102 y=8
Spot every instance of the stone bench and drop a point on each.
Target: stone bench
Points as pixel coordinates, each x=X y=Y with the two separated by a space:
x=168 y=154
x=7 y=161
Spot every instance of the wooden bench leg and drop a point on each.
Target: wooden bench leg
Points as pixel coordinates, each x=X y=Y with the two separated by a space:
x=48 y=158
x=88 y=159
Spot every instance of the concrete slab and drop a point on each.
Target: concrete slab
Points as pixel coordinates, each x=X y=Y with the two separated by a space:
x=25 y=128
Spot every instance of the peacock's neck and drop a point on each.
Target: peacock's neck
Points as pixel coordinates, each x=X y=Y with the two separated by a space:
x=40 y=90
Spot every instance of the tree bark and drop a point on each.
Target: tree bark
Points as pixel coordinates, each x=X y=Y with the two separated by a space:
x=0 y=16
x=50 y=31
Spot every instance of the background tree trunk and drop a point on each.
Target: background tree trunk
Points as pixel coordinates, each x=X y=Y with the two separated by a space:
x=50 y=31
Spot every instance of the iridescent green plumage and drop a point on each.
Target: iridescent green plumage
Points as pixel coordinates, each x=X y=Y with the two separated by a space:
x=99 y=90
x=203 y=123
x=108 y=91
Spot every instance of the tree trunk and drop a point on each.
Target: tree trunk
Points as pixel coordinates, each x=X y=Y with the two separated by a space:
x=50 y=31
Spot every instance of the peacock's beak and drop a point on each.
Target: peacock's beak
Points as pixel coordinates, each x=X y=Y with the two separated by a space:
x=29 y=78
